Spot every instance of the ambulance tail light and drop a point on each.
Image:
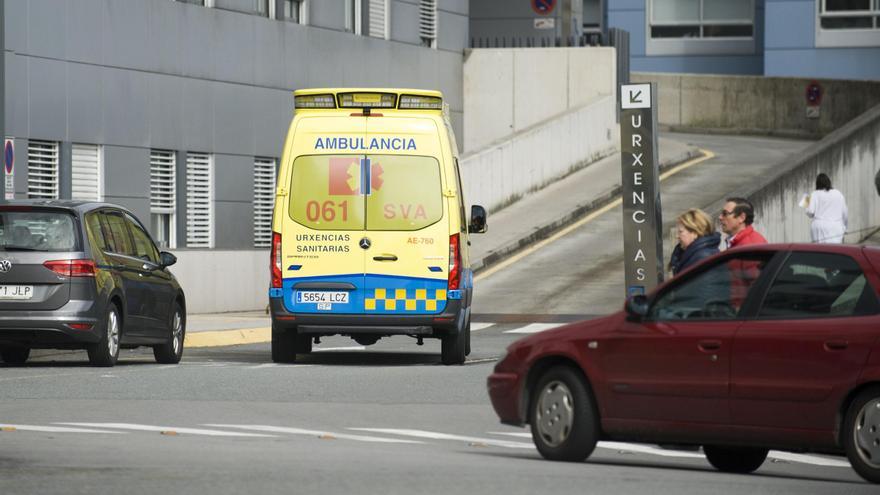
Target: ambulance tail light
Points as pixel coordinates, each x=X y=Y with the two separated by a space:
x=314 y=101
x=276 y=260
x=417 y=102
x=454 y=262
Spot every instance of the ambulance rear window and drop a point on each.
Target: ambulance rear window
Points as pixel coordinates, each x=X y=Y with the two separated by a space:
x=326 y=192
x=366 y=192
x=405 y=192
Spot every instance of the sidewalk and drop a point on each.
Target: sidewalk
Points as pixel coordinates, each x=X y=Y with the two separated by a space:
x=529 y=220
x=538 y=215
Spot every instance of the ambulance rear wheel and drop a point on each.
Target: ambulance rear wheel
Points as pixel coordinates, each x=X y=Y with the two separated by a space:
x=452 y=350
x=286 y=344
x=467 y=342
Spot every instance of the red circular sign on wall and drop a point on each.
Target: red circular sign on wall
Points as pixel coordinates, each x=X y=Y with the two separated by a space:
x=543 y=7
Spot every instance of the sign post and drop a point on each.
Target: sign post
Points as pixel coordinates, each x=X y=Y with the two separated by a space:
x=642 y=222
x=9 y=168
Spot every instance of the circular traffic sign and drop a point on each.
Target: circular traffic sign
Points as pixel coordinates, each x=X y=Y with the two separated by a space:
x=543 y=7
x=9 y=157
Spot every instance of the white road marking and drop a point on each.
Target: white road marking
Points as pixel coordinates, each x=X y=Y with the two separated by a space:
x=446 y=436
x=807 y=459
x=264 y=365
x=316 y=433
x=650 y=449
x=534 y=328
x=476 y=327
x=510 y=434
x=350 y=348
x=190 y=431
x=57 y=429
x=481 y=360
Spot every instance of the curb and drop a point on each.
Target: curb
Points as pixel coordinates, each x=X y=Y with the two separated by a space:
x=542 y=232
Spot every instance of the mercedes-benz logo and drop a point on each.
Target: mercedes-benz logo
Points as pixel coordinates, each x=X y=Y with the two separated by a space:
x=364 y=243
x=5 y=266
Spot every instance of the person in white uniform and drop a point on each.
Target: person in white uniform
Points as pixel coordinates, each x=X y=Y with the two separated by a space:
x=827 y=208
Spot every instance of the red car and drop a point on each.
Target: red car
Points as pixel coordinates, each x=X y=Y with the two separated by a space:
x=756 y=348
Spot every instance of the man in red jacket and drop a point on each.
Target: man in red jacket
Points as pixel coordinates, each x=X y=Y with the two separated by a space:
x=736 y=221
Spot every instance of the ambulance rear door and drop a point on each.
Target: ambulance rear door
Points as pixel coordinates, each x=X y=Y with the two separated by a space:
x=407 y=227
x=324 y=223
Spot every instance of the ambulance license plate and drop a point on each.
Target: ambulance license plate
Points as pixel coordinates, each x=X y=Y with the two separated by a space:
x=321 y=298
x=16 y=291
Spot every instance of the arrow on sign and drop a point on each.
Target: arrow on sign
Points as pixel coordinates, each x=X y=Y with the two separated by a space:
x=633 y=97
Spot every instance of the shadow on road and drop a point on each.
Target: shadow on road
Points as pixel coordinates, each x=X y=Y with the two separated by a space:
x=668 y=466
x=254 y=354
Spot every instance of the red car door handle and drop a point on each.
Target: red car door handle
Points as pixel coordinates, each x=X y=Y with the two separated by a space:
x=710 y=345
x=836 y=345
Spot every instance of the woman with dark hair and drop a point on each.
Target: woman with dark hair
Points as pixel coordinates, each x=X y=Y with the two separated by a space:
x=827 y=208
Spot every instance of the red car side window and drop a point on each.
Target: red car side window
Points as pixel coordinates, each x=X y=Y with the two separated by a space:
x=819 y=285
x=715 y=293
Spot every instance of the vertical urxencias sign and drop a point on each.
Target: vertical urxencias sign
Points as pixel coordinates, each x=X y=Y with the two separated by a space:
x=642 y=243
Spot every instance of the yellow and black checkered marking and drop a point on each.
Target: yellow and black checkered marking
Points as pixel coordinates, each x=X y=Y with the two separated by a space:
x=404 y=300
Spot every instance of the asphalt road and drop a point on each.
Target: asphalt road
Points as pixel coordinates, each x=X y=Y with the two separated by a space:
x=383 y=419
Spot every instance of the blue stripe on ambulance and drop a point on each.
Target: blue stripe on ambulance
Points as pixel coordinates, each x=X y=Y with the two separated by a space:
x=384 y=294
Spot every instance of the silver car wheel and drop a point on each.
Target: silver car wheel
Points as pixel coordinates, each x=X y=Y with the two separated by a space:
x=177 y=332
x=555 y=413
x=113 y=333
x=867 y=433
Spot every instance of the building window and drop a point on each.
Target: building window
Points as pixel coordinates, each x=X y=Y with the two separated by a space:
x=353 y=16
x=844 y=23
x=42 y=169
x=294 y=11
x=163 y=197
x=592 y=16
x=701 y=27
x=428 y=22
x=261 y=7
x=379 y=19
x=849 y=14
x=702 y=18
x=199 y=200
x=86 y=172
x=264 y=201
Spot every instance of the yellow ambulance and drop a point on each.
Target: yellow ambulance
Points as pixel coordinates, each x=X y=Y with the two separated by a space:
x=370 y=234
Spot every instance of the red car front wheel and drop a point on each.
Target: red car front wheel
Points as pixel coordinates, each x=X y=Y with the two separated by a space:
x=565 y=425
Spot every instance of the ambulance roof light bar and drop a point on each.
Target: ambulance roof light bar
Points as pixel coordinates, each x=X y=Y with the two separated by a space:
x=420 y=102
x=367 y=100
x=314 y=101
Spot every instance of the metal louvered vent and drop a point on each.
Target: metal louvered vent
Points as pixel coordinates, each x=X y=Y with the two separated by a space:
x=162 y=181
x=42 y=169
x=199 y=201
x=86 y=172
x=379 y=19
x=428 y=22
x=264 y=200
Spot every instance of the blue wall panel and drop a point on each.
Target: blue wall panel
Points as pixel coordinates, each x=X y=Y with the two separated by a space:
x=634 y=22
x=790 y=24
x=832 y=63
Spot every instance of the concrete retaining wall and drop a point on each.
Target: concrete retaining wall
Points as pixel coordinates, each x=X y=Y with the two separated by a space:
x=537 y=156
x=217 y=281
x=851 y=158
x=756 y=104
x=511 y=89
